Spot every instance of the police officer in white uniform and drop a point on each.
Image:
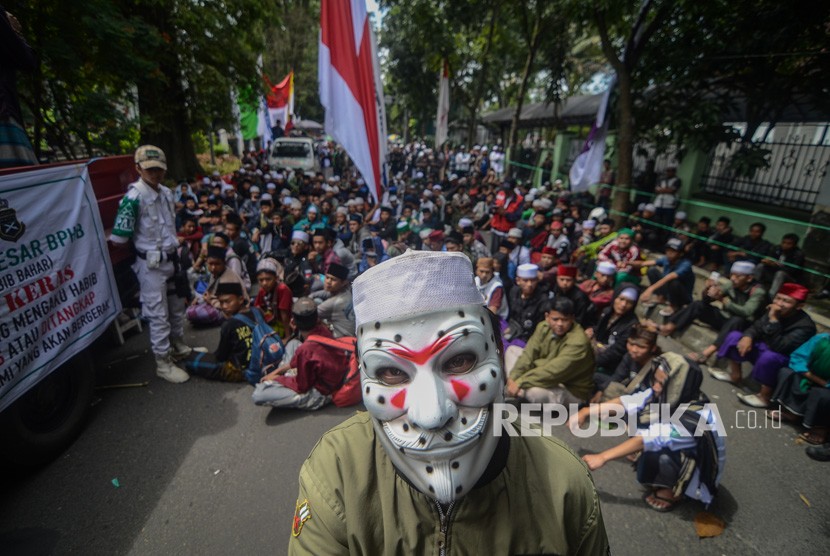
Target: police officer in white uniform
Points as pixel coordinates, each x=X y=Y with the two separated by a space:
x=146 y=216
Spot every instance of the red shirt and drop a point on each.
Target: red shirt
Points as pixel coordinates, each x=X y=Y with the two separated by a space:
x=318 y=366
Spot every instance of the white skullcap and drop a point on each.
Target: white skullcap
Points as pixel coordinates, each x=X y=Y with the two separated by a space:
x=649 y=208
x=414 y=283
x=278 y=176
x=419 y=175
x=453 y=177
x=546 y=203
x=350 y=203
x=287 y=201
x=528 y=271
x=514 y=232
x=216 y=173
x=680 y=215
x=241 y=171
x=226 y=187
x=537 y=204
x=267 y=265
x=606 y=268
x=589 y=224
x=255 y=189
x=742 y=267
x=258 y=172
x=530 y=197
x=641 y=207
x=427 y=193
x=266 y=176
x=335 y=178
x=342 y=210
x=206 y=181
x=629 y=293
x=285 y=191
x=424 y=233
x=359 y=200
x=267 y=197
x=296 y=204
x=597 y=214
x=300 y=235
x=437 y=186
x=465 y=222
x=533 y=191
x=558 y=182
x=271 y=185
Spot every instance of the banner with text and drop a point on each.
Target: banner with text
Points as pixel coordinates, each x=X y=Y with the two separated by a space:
x=57 y=289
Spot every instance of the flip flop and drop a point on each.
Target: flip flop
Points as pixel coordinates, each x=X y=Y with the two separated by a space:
x=657 y=508
x=752 y=400
x=810 y=438
x=723 y=376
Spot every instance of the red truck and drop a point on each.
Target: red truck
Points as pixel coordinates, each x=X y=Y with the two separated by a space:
x=41 y=423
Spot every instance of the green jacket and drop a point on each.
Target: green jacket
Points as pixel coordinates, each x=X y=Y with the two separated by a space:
x=352 y=501
x=744 y=304
x=547 y=361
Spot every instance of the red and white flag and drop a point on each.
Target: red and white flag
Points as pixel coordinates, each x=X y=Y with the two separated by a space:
x=350 y=87
x=280 y=100
x=442 y=120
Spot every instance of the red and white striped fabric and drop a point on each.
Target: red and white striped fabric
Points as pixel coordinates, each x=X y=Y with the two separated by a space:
x=350 y=87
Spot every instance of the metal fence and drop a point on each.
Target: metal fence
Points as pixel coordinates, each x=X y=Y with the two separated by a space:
x=797 y=163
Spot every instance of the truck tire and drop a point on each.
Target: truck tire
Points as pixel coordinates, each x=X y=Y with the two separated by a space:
x=43 y=422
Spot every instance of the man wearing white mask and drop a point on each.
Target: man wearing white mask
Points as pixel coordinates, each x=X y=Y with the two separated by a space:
x=424 y=471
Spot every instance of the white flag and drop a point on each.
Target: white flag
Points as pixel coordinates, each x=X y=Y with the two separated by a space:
x=442 y=120
x=587 y=167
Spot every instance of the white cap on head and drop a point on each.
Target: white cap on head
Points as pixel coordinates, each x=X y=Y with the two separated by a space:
x=742 y=267
x=271 y=186
x=630 y=293
x=527 y=271
x=299 y=235
x=414 y=283
x=465 y=222
x=680 y=215
x=589 y=224
x=267 y=197
x=649 y=208
x=515 y=232
x=206 y=181
x=606 y=268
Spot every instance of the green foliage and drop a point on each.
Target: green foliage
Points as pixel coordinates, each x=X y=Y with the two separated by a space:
x=100 y=60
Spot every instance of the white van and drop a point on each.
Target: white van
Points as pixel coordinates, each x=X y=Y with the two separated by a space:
x=294 y=152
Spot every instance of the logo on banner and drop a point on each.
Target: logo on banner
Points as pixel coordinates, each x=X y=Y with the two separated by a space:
x=11 y=229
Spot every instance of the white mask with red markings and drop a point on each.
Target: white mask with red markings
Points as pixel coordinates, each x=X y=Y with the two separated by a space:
x=430 y=381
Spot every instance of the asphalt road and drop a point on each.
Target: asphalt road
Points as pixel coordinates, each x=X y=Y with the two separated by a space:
x=198 y=469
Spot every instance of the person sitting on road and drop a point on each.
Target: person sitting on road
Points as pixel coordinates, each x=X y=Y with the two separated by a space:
x=615 y=325
x=768 y=343
x=427 y=448
x=274 y=297
x=233 y=354
x=491 y=287
x=673 y=463
x=600 y=290
x=337 y=310
x=310 y=373
x=585 y=311
x=672 y=279
x=621 y=252
x=802 y=394
x=526 y=311
x=742 y=300
x=557 y=364
x=775 y=269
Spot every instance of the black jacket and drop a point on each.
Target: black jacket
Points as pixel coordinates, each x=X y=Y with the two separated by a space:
x=613 y=337
x=785 y=335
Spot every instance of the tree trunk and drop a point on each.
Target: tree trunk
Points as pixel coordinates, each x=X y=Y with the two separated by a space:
x=162 y=103
x=479 y=88
x=531 y=56
x=625 y=146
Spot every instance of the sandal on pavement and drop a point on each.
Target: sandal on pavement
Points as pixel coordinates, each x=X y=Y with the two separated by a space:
x=653 y=500
x=752 y=400
x=778 y=415
x=811 y=438
x=698 y=357
x=723 y=376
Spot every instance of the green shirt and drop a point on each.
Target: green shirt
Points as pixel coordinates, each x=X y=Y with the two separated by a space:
x=352 y=501
x=548 y=361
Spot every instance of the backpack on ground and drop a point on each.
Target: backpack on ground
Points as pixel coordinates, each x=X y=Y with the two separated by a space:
x=266 y=347
x=348 y=393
